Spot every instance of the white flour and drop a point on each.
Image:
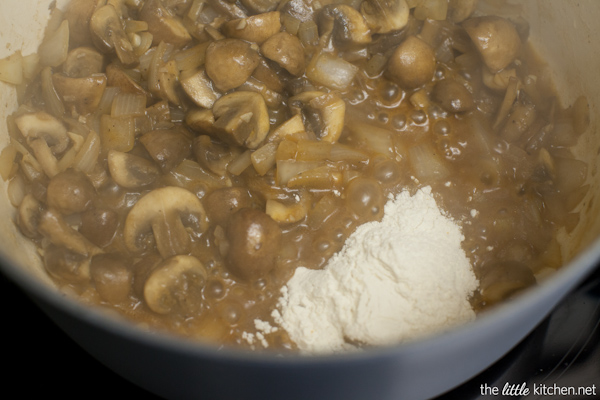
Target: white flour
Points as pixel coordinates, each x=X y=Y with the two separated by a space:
x=395 y=280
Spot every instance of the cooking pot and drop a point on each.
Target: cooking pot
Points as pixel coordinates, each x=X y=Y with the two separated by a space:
x=563 y=32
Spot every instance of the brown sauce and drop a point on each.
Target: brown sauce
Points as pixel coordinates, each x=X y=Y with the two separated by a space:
x=493 y=145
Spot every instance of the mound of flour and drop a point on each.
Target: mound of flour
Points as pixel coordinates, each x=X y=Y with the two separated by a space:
x=393 y=281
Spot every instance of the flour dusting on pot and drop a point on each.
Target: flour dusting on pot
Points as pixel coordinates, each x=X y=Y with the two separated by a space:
x=395 y=280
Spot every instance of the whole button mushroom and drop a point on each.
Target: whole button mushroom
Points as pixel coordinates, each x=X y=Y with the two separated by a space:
x=224 y=202
x=169 y=215
x=230 y=62
x=346 y=25
x=256 y=28
x=70 y=192
x=384 y=16
x=453 y=96
x=176 y=285
x=111 y=276
x=131 y=171
x=254 y=241
x=496 y=39
x=99 y=226
x=412 y=64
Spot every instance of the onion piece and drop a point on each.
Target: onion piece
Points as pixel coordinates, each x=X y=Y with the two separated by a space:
x=53 y=102
x=54 y=49
x=426 y=164
x=11 y=69
x=263 y=159
x=7 y=162
x=128 y=105
x=86 y=158
x=329 y=70
x=16 y=190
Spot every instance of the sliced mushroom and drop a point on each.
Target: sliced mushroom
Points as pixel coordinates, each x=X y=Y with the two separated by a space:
x=286 y=50
x=112 y=277
x=200 y=89
x=496 y=39
x=345 y=24
x=256 y=28
x=212 y=155
x=384 y=16
x=169 y=215
x=78 y=15
x=54 y=227
x=176 y=284
x=28 y=216
x=168 y=147
x=164 y=26
x=41 y=125
x=83 y=62
x=254 y=241
x=117 y=77
x=412 y=64
x=108 y=35
x=323 y=113
x=453 y=96
x=81 y=94
x=230 y=62
x=243 y=119
x=131 y=171
x=70 y=192
x=62 y=263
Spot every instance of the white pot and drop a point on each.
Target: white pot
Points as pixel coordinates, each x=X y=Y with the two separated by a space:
x=564 y=31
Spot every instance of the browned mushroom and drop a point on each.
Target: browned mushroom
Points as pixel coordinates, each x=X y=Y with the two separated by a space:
x=384 y=16
x=496 y=39
x=131 y=171
x=165 y=217
x=163 y=25
x=412 y=64
x=78 y=15
x=256 y=28
x=176 y=285
x=323 y=113
x=83 y=62
x=112 y=277
x=167 y=147
x=108 y=34
x=286 y=50
x=81 y=94
x=453 y=96
x=70 y=192
x=224 y=202
x=230 y=62
x=99 y=226
x=346 y=26
x=254 y=240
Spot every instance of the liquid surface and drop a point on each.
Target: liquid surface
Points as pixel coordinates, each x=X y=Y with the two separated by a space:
x=176 y=161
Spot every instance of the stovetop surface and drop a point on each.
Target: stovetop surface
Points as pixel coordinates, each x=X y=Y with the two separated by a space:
x=562 y=353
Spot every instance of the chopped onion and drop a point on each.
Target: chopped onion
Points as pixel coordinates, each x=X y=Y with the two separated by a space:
x=7 y=162
x=11 y=69
x=86 y=158
x=117 y=133
x=128 y=105
x=106 y=101
x=284 y=213
x=432 y=9
x=240 y=163
x=53 y=102
x=331 y=71
x=55 y=47
x=263 y=158
x=426 y=164
x=16 y=190
x=288 y=169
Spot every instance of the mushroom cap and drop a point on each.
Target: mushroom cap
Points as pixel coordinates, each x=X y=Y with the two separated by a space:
x=160 y=207
x=176 y=282
x=131 y=171
x=256 y=28
x=286 y=50
x=243 y=117
x=230 y=62
x=384 y=16
x=412 y=64
x=163 y=25
x=108 y=34
x=496 y=39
